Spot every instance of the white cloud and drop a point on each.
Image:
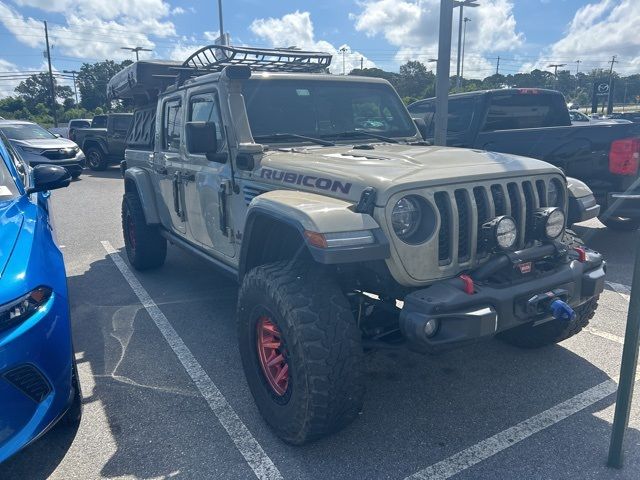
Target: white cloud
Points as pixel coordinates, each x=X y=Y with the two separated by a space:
x=96 y=29
x=296 y=29
x=598 y=31
x=412 y=27
x=7 y=86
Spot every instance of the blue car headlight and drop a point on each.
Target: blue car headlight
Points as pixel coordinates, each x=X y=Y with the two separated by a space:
x=20 y=309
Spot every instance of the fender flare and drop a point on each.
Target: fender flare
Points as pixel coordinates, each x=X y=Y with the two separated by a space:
x=99 y=142
x=305 y=212
x=141 y=181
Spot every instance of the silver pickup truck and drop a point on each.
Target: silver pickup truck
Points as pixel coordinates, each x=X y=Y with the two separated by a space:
x=344 y=229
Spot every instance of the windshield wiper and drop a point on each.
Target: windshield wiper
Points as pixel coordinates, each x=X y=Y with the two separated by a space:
x=362 y=133
x=278 y=136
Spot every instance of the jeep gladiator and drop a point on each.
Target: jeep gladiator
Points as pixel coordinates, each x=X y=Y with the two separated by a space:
x=535 y=123
x=344 y=229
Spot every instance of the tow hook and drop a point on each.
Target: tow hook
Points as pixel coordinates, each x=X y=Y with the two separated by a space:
x=562 y=311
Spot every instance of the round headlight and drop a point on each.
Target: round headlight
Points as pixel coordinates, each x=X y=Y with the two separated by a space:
x=405 y=217
x=506 y=233
x=555 y=224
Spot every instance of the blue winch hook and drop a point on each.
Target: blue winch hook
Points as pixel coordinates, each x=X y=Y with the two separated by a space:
x=562 y=311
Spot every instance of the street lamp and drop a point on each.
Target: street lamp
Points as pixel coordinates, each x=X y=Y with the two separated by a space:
x=461 y=4
x=464 y=41
x=344 y=51
x=136 y=50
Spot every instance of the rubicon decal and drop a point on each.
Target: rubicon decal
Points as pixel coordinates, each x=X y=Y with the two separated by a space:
x=306 y=180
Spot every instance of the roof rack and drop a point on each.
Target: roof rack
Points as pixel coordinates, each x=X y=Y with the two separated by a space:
x=214 y=58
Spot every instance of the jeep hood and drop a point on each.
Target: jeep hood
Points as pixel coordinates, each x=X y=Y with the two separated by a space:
x=389 y=168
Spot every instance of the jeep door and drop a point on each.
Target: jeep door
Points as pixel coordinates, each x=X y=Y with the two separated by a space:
x=117 y=134
x=168 y=164
x=207 y=182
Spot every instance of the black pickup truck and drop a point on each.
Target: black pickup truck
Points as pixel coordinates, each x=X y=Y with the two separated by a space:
x=103 y=144
x=535 y=123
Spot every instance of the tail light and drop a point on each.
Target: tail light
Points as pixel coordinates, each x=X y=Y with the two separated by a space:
x=624 y=156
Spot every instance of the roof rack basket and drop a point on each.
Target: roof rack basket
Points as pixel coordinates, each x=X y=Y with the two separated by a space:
x=214 y=58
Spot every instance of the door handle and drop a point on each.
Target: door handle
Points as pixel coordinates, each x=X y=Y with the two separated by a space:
x=176 y=194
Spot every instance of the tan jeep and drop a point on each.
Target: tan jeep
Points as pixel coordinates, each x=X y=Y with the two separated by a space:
x=344 y=229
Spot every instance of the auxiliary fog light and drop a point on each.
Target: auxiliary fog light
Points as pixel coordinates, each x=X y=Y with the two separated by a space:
x=431 y=327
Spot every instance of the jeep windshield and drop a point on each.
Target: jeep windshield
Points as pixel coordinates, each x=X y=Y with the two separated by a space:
x=324 y=109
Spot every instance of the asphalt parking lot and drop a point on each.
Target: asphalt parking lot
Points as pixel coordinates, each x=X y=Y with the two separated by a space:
x=165 y=396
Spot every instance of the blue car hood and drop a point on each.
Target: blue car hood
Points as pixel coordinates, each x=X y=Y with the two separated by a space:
x=11 y=220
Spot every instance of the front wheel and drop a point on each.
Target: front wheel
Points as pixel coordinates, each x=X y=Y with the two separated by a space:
x=623 y=224
x=146 y=247
x=301 y=350
x=95 y=159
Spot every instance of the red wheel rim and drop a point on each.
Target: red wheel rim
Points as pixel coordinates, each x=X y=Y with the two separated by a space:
x=272 y=357
x=131 y=230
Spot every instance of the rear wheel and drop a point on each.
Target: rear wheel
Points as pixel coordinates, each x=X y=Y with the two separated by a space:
x=623 y=224
x=145 y=247
x=301 y=350
x=96 y=160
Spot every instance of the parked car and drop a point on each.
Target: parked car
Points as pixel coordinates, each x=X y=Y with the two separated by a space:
x=38 y=376
x=535 y=123
x=310 y=189
x=38 y=146
x=75 y=124
x=104 y=145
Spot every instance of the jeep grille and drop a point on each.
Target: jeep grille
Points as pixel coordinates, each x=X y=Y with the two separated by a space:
x=464 y=210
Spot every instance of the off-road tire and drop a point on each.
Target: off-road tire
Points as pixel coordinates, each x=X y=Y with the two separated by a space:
x=553 y=331
x=322 y=347
x=74 y=413
x=145 y=247
x=621 y=224
x=95 y=159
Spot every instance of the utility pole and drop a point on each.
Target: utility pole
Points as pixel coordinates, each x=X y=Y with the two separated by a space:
x=73 y=75
x=578 y=62
x=361 y=63
x=344 y=50
x=498 y=66
x=137 y=50
x=51 y=84
x=464 y=42
x=461 y=4
x=555 y=68
x=442 y=74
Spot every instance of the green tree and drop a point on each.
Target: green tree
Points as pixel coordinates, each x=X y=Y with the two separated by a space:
x=37 y=89
x=92 y=82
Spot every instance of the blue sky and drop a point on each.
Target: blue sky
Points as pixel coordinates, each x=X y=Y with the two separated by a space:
x=384 y=33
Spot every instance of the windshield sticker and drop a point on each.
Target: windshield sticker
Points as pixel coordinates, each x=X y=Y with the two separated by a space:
x=303 y=92
x=305 y=180
x=4 y=191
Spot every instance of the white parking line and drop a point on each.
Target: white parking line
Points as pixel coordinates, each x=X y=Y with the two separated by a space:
x=624 y=290
x=487 y=448
x=603 y=334
x=248 y=446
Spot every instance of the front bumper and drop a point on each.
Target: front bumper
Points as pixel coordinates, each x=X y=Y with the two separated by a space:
x=73 y=165
x=463 y=318
x=35 y=375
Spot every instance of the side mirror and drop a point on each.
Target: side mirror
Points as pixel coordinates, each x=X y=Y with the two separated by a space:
x=49 y=177
x=201 y=139
x=57 y=135
x=421 y=126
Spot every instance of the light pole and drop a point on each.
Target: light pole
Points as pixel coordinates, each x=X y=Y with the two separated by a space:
x=464 y=41
x=442 y=73
x=344 y=51
x=73 y=75
x=137 y=50
x=461 y=4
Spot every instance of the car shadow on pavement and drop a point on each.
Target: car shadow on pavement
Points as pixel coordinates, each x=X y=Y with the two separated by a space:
x=112 y=171
x=144 y=418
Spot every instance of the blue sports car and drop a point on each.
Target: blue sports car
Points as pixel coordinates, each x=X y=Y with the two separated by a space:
x=38 y=378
